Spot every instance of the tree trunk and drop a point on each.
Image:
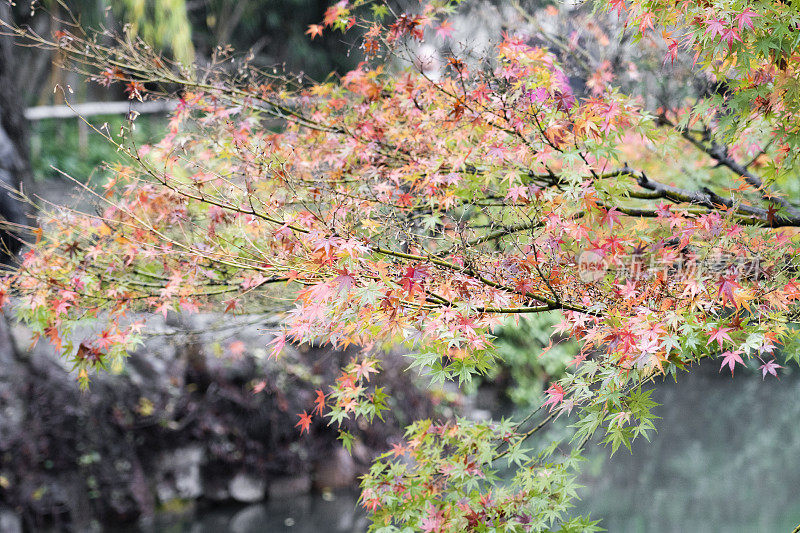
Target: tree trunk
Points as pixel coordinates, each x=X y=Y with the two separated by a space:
x=15 y=170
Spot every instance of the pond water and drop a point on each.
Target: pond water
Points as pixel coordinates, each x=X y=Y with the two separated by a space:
x=726 y=458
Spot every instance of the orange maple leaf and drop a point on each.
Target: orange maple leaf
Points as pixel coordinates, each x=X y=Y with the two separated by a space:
x=314 y=30
x=319 y=402
x=304 y=423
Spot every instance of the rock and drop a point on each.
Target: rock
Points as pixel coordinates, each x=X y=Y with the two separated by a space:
x=178 y=474
x=251 y=518
x=246 y=488
x=478 y=415
x=10 y=522
x=286 y=487
x=154 y=372
x=12 y=376
x=336 y=473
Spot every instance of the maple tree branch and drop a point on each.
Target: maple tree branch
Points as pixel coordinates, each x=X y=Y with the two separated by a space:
x=528 y=433
x=549 y=304
x=517 y=310
x=760 y=153
x=720 y=154
x=750 y=215
x=507 y=230
x=711 y=200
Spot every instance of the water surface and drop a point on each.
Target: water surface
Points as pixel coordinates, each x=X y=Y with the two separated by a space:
x=726 y=458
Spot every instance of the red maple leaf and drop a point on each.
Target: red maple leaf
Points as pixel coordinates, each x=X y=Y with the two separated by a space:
x=134 y=90
x=105 y=340
x=555 y=395
x=231 y=305
x=610 y=217
x=726 y=286
x=771 y=212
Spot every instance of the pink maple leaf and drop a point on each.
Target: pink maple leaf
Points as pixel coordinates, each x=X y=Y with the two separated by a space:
x=433 y=523
x=445 y=29
x=714 y=27
x=628 y=291
x=731 y=34
x=770 y=367
x=277 y=345
x=730 y=359
x=646 y=21
x=745 y=18
x=618 y=6
x=344 y=280
x=516 y=192
x=365 y=368
x=719 y=335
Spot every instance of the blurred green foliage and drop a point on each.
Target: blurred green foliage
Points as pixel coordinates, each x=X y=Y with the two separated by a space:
x=521 y=346
x=164 y=23
x=79 y=151
x=275 y=31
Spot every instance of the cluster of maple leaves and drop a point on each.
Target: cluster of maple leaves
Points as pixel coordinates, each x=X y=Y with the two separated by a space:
x=404 y=209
